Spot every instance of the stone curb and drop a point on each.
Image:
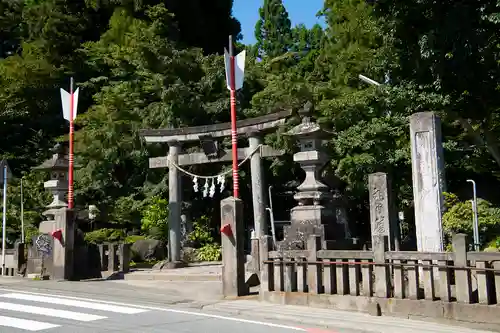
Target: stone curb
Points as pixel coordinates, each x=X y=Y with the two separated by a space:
x=300 y=320
x=173 y=277
x=334 y=319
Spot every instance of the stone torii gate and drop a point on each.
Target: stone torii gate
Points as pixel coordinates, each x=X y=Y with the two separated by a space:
x=208 y=136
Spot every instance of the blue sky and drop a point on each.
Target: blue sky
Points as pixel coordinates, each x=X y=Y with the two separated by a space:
x=300 y=11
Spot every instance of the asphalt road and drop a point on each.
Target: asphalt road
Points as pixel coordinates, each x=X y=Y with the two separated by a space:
x=98 y=307
x=56 y=313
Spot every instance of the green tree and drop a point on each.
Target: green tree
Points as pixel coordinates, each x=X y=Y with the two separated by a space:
x=273 y=30
x=196 y=23
x=35 y=200
x=44 y=37
x=144 y=82
x=459 y=219
x=452 y=49
x=10 y=32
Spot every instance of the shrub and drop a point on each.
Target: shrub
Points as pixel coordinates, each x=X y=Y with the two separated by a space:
x=459 y=219
x=133 y=238
x=201 y=234
x=209 y=252
x=29 y=233
x=154 y=222
x=203 y=240
x=103 y=235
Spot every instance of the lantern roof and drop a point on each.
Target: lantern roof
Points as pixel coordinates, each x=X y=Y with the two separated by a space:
x=58 y=162
x=308 y=127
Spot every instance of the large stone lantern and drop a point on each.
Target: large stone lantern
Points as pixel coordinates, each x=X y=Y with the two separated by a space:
x=57 y=166
x=312 y=215
x=312 y=192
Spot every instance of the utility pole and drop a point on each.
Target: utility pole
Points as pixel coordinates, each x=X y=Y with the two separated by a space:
x=22 y=212
x=5 y=174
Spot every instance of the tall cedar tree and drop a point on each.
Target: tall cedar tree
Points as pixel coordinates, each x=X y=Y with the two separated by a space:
x=273 y=30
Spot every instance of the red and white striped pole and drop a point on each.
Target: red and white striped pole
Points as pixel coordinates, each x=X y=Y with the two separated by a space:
x=71 y=157
x=70 y=106
x=234 y=134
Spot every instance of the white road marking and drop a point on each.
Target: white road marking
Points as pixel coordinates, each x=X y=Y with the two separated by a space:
x=25 y=324
x=191 y=313
x=49 y=312
x=75 y=303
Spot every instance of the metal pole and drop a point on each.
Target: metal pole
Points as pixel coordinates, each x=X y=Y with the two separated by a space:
x=4 y=220
x=368 y=80
x=270 y=196
x=474 y=210
x=234 y=137
x=273 y=232
x=271 y=215
x=71 y=132
x=22 y=213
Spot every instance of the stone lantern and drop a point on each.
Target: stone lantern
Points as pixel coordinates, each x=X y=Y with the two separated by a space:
x=57 y=166
x=312 y=215
x=312 y=192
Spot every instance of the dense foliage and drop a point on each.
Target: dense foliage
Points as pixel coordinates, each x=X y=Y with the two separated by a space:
x=457 y=219
x=154 y=63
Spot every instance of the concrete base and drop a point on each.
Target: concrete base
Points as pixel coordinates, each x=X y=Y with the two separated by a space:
x=472 y=315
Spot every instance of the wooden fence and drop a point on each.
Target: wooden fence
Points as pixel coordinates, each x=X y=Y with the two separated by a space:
x=459 y=276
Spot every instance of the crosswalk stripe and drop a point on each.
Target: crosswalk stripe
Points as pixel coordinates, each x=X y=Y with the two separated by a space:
x=25 y=324
x=75 y=303
x=49 y=312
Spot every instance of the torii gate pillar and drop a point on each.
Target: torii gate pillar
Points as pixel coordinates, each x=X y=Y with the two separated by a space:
x=174 y=207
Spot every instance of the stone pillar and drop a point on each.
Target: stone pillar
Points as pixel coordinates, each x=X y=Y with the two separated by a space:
x=233 y=255
x=382 y=273
x=63 y=251
x=463 y=278
x=113 y=260
x=428 y=180
x=258 y=191
x=19 y=258
x=174 y=207
x=382 y=213
x=125 y=257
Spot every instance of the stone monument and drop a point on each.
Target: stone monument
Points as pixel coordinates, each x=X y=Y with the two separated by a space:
x=428 y=180
x=383 y=220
